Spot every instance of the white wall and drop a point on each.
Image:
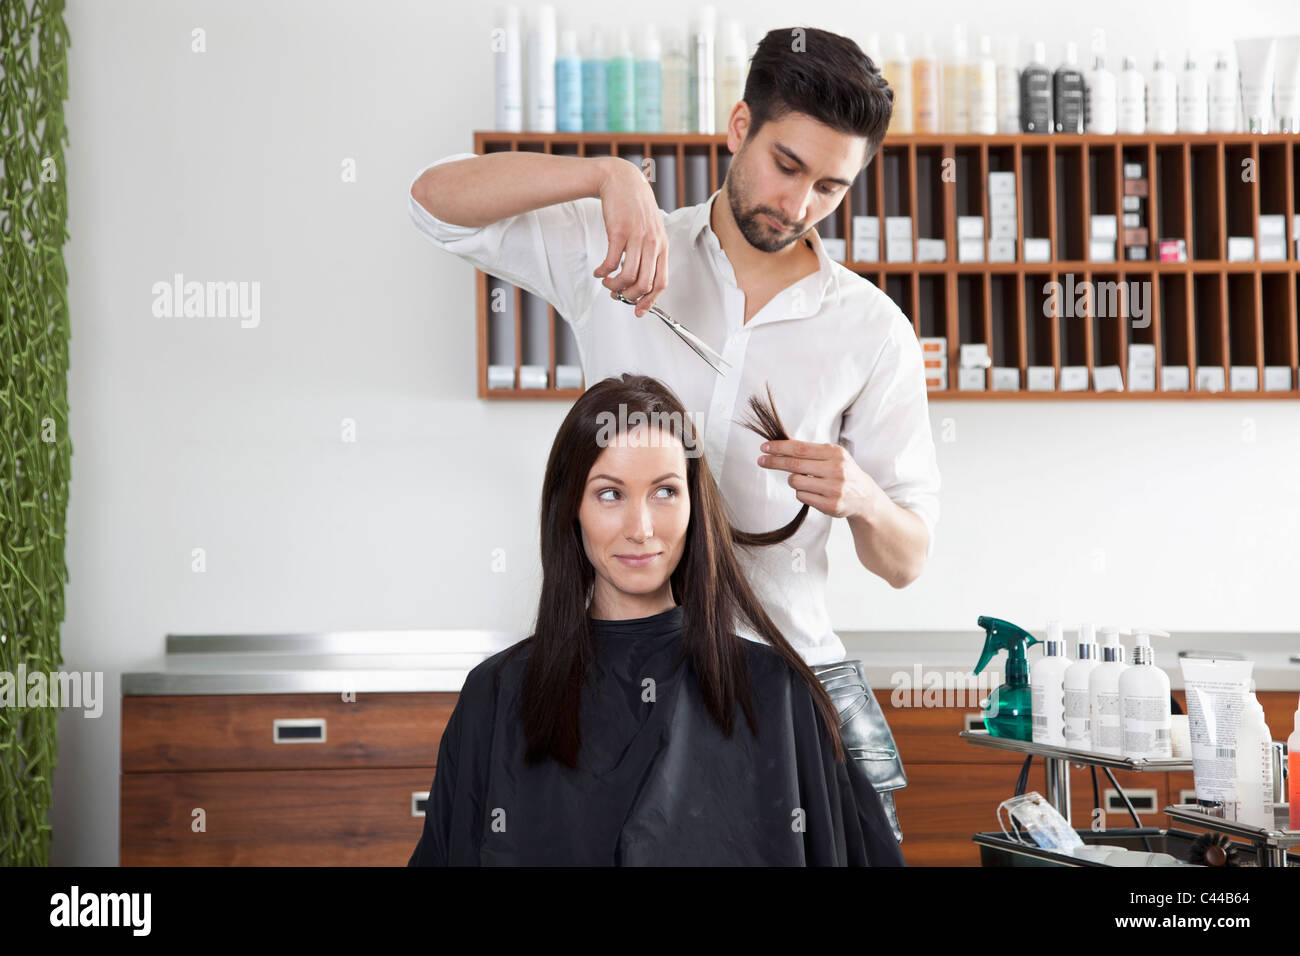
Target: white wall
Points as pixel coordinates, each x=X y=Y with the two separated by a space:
x=197 y=433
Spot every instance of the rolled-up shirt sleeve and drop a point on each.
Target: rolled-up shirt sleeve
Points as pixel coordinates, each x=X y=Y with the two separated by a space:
x=887 y=427
x=546 y=251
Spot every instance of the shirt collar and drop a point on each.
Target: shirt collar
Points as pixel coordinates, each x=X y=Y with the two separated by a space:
x=819 y=284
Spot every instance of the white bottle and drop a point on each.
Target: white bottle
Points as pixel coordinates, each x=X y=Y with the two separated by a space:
x=1103 y=693
x=956 y=83
x=541 y=70
x=676 y=103
x=702 y=75
x=1074 y=688
x=1046 y=689
x=1223 y=97
x=1008 y=86
x=1144 y=702
x=1193 y=99
x=1132 y=114
x=1254 y=767
x=733 y=65
x=982 y=98
x=508 y=63
x=1162 y=98
x=898 y=72
x=1099 y=91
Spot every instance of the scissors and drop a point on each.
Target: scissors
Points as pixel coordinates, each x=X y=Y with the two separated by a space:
x=694 y=341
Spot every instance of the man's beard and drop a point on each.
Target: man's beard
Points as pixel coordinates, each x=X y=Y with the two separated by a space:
x=758 y=233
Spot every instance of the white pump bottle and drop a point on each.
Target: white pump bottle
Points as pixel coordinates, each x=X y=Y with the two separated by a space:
x=1047 y=690
x=1078 y=723
x=1144 y=702
x=1103 y=693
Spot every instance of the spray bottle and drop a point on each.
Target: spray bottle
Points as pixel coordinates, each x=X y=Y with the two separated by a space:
x=1144 y=702
x=1007 y=711
x=1103 y=693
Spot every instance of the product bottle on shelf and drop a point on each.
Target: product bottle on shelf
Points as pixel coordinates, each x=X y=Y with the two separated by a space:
x=1293 y=772
x=1008 y=86
x=1103 y=693
x=926 y=115
x=982 y=101
x=1074 y=687
x=1193 y=99
x=541 y=70
x=898 y=73
x=508 y=66
x=703 y=70
x=1162 y=97
x=568 y=84
x=622 y=85
x=649 y=83
x=1132 y=114
x=733 y=63
x=1036 y=92
x=676 y=105
x=1046 y=689
x=1223 y=96
x=956 y=84
x=1144 y=707
x=1067 y=93
x=595 y=85
x=1099 y=90
x=1254 y=767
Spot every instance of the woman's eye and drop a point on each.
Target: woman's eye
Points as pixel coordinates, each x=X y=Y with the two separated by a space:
x=601 y=494
x=672 y=492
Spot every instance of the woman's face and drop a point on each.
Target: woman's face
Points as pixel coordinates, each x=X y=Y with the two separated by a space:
x=634 y=514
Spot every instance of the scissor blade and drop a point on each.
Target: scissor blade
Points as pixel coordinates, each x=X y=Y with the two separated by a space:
x=700 y=347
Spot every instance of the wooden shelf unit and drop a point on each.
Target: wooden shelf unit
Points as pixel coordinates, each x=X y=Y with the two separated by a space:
x=1206 y=311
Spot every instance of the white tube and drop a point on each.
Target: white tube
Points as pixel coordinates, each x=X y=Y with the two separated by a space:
x=1286 y=85
x=1216 y=696
x=1255 y=58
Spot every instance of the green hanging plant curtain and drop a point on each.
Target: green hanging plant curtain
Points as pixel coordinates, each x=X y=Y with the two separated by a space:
x=34 y=445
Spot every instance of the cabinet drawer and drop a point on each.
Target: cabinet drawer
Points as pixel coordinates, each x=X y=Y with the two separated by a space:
x=929 y=735
x=239 y=731
x=272 y=818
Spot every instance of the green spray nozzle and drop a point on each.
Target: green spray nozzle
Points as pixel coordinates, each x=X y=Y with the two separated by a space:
x=1002 y=635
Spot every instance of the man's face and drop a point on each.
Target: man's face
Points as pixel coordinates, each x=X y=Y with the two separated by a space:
x=795 y=171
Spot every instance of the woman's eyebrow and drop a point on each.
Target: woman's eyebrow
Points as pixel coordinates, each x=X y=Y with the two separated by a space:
x=619 y=481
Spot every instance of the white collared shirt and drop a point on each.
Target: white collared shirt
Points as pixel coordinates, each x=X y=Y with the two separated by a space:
x=843 y=361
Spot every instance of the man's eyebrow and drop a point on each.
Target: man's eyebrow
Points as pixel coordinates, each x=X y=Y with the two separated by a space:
x=802 y=165
x=618 y=481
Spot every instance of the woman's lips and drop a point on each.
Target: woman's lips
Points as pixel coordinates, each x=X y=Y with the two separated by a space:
x=635 y=562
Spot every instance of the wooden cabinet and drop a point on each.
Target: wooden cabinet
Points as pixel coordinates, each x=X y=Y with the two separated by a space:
x=277 y=779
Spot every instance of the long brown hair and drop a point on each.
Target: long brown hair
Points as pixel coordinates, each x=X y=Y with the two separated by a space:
x=708 y=581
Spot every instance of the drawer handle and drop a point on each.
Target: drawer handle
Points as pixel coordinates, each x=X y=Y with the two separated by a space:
x=975 y=721
x=1143 y=800
x=304 y=730
x=419 y=800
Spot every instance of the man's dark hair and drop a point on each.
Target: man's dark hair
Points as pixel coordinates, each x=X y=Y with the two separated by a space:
x=823 y=75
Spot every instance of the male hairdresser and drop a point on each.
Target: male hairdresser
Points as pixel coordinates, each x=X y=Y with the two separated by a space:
x=750 y=276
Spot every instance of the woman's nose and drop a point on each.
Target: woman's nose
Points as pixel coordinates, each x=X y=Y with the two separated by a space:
x=639 y=527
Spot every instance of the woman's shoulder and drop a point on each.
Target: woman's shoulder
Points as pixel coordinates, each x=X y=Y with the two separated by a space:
x=766 y=664
x=507 y=664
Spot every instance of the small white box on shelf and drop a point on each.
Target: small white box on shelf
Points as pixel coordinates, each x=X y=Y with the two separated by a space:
x=1038 y=250
x=970 y=250
x=533 y=376
x=568 y=376
x=1101 y=250
x=1277 y=378
x=866 y=238
x=1002 y=207
x=1002 y=250
x=501 y=376
x=1141 y=378
x=971 y=379
x=1103 y=227
x=1042 y=378
x=1106 y=378
x=1074 y=378
x=970 y=227
x=934 y=347
x=1002 y=228
x=898 y=250
x=1272 y=227
x=1243 y=378
x=1209 y=378
x=1132 y=170
x=1132 y=220
x=975 y=355
x=1241 y=248
x=834 y=249
x=1006 y=379
x=1002 y=184
x=1141 y=355
x=931 y=250
x=1132 y=203
x=937 y=381
x=898 y=227
x=1271 y=250
x=1175 y=378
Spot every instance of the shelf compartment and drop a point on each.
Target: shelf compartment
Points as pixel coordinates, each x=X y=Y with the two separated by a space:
x=1172 y=310
x=1206 y=179
x=1140 y=325
x=1278 y=313
x=974 y=323
x=1072 y=203
x=1036 y=202
x=1171 y=213
x=1008 y=324
x=1241 y=195
x=1109 y=301
x=1041 y=335
x=1209 y=313
x=932 y=197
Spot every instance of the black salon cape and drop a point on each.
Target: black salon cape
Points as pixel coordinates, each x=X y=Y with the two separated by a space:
x=657 y=784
